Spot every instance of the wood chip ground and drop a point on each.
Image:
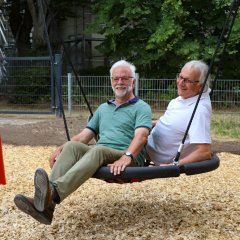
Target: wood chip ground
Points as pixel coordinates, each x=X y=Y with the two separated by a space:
x=205 y=206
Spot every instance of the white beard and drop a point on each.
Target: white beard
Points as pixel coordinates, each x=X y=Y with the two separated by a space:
x=120 y=92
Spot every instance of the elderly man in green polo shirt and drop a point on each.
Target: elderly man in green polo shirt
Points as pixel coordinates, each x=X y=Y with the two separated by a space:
x=122 y=124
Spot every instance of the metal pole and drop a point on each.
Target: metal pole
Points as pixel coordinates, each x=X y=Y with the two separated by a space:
x=69 y=77
x=58 y=72
x=136 y=87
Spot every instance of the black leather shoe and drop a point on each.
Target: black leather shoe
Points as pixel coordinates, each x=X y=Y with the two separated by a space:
x=25 y=204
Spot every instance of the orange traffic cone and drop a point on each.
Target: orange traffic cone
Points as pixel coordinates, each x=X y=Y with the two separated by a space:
x=2 y=173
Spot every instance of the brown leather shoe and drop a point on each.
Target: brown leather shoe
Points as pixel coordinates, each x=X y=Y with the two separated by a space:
x=25 y=204
x=44 y=190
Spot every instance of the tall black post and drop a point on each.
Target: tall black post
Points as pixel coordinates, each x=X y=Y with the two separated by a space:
x=58 y=84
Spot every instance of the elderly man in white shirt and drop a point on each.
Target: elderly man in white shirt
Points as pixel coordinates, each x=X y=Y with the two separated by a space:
x=169 y=130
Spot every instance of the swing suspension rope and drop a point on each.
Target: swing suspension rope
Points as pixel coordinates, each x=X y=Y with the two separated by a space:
x=59 y=92
x=77 y=77
x=226 y=32
x=143 y=173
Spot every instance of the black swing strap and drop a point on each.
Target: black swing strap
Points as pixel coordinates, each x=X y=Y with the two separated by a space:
x=224 y=36
x=71 y=64
x=41 y=2
x=52 y=65
x=234 y=15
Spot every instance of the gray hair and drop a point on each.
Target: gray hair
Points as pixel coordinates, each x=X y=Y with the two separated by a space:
x=202 y=67
x=126 y=64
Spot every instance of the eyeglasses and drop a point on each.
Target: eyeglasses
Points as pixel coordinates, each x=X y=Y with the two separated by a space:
x=185 y=80
x=123 y=78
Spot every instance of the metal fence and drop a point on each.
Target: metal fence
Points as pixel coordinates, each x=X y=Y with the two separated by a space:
x=25 y=85
x=28 y=88
x=157 y=92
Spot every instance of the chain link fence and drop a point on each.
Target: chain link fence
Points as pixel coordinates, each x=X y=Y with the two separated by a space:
x=27 y=87
x=157 y=92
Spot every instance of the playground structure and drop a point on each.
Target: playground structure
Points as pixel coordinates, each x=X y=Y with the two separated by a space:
x=2 y=172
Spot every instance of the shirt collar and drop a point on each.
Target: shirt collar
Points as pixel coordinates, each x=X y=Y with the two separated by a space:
x=194 y=98
x=131 y=101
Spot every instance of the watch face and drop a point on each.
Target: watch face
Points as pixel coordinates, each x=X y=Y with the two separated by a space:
x=129 y=155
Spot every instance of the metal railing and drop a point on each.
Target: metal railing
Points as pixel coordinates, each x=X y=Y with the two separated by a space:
x=37 y=96
x=156 y=92
x=25 y=85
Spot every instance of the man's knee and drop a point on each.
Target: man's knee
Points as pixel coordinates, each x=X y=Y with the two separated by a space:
x=104 y=154
x=76 y=148
x=98 y=150
x=74 y=145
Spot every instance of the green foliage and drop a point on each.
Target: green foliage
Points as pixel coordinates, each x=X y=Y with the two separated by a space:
x=30 y=85
x=161 y=35
x=170 y=93
x=66 y=8
x=98 y=71
x=227 y=96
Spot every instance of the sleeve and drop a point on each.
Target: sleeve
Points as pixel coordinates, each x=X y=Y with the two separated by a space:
x=93 y=123
x=144 y=117
x=199 y=131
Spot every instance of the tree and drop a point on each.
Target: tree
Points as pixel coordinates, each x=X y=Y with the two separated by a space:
x=27 y=21
x=160 y=35
x=21 y=24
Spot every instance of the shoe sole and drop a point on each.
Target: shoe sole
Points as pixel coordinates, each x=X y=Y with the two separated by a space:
x=41 y=184
x=25 y=206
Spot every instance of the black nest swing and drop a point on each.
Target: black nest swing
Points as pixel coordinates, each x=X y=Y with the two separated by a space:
x=136 y=174
x=132 y=174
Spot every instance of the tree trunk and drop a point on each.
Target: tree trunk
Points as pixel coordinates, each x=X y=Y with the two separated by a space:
x=27 y=21
x=38 y=12
x=21 y=26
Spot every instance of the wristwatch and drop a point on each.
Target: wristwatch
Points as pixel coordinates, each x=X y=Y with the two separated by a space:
x=129 y=155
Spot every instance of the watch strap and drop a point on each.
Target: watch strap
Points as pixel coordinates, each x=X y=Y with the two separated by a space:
x=129 y=155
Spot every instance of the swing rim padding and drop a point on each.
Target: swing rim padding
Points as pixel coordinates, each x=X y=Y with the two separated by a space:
x=152 y=172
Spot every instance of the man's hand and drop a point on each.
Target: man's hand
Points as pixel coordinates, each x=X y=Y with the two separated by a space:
x=54 y=156
x=119 y=166
x=84 y=136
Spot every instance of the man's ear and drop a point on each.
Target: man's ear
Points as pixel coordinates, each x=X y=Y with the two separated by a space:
x=134 y=81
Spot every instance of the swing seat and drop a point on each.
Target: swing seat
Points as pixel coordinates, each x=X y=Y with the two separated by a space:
x=137 y=174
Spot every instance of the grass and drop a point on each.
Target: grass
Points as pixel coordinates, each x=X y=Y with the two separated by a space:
x=225 y=128
x=223 y=125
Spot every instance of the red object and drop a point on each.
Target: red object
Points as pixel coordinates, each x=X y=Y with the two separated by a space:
x=2 y=173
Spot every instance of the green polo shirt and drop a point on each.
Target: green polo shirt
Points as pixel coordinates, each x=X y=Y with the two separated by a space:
x=116 y=125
